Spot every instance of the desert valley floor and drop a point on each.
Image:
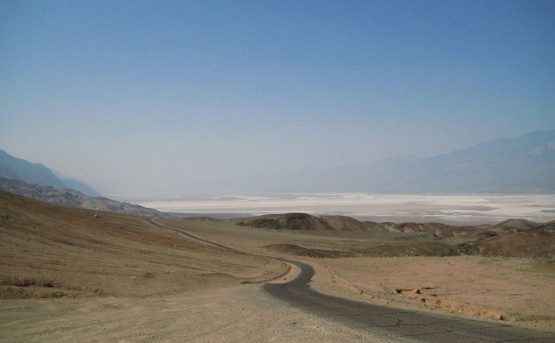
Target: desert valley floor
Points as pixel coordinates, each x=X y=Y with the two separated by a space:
x=76 y=275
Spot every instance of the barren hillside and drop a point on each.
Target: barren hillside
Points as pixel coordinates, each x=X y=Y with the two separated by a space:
x=52 y=251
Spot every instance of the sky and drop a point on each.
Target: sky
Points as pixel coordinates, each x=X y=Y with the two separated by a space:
x=164 y=96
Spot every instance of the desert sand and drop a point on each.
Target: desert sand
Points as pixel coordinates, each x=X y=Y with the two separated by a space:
x=74 y=275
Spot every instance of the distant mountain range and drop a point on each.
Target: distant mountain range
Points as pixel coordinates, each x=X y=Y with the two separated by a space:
x=35 y=173
x=520 y=165
x=36 y=181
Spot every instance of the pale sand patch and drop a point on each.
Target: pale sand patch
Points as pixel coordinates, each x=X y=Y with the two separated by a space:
x=242 y=313
x=518 y=289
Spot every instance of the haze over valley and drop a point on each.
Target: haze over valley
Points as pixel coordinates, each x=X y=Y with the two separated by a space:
x=488 y=183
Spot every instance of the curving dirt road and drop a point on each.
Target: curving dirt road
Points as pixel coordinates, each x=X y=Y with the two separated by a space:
x=405 y=325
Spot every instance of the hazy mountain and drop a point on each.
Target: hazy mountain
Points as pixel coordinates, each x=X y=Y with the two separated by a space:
x=16 y=168
x=76 y=185
x=71 y=198
x=520 y=165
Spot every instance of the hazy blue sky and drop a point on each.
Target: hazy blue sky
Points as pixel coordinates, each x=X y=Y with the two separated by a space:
x=140 y=96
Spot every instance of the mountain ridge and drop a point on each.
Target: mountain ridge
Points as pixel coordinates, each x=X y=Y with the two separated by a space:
x=524 y=164
x=12 y=167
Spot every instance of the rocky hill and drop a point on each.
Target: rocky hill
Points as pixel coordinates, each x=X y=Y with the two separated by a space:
x=511 y=238
x=71 y=198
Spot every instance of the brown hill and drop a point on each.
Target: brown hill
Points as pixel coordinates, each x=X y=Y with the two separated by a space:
x=538 y=242
x=53 y=251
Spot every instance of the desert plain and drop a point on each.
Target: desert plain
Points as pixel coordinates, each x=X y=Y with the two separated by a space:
x=70 y=275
